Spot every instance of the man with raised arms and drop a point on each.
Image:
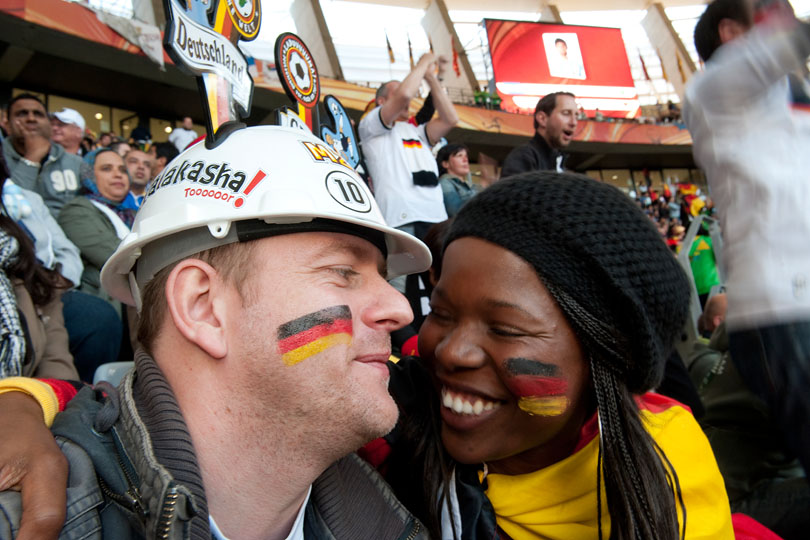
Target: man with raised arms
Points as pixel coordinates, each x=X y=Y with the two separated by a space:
x=398 y=154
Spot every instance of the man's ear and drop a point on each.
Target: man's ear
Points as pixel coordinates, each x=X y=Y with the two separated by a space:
x=729 y=29
x=197 y=300
x=541 y=118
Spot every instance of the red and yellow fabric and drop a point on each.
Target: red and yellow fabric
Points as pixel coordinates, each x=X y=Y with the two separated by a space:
x=559 y=501
x=51 y=394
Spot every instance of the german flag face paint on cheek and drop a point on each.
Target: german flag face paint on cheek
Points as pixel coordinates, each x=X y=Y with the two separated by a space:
x=314 y=333
x=539 y=387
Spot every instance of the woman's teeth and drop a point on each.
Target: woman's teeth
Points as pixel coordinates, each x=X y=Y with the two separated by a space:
x=462 y=404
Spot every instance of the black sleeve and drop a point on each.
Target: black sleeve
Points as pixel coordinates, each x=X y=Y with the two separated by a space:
x=521 y=159
x=426 y=112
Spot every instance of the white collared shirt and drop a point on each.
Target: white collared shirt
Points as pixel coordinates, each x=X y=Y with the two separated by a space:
x=296 y=533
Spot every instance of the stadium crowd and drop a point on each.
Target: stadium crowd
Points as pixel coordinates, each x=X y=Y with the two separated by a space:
x=537 y=391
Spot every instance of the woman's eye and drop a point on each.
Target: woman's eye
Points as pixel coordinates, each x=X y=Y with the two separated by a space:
x=437 y=313
x=507 y=332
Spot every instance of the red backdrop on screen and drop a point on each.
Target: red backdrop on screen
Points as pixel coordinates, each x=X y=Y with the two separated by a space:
x=527 y=67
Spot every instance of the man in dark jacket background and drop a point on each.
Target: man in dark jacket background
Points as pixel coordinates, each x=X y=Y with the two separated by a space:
x=555 y=120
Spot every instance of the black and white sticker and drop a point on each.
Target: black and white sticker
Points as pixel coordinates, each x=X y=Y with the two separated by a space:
x=348 y=191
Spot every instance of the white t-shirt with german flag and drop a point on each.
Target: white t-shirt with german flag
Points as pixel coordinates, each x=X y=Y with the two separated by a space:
x=393 y=155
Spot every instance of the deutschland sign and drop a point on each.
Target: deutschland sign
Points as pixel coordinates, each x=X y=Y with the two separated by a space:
x=202 y=50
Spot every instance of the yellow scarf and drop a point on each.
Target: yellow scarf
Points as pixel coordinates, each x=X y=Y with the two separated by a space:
x=559 y=501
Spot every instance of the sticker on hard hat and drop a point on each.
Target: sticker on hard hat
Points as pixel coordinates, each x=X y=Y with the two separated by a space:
x=348 y=191
x=227 y=181
x=321 y=153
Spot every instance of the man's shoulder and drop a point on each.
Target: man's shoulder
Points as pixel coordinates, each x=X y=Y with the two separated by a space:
x=371 y=126
x=65 y=158
x=523 y=158
x=350 y=487
x=10 y=153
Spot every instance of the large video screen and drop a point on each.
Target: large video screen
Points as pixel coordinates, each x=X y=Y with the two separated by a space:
x=531 y=60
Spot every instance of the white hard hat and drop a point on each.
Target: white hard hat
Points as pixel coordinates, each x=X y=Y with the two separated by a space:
x=257 y=182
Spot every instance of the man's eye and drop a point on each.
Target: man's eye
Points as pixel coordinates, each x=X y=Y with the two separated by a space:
x=344 y=272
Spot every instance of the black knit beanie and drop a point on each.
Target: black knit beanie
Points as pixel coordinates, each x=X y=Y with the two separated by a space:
x=601 y=259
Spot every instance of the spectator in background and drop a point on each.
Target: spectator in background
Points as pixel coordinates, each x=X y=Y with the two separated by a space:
x=34 y=161
x=67 y=129
x=87 y=145
x=121 y=148
x=33 y=336
x=97 y=221
x=675 y=237
x=183 y=135
x=105 y=139
x=140 y=136
x=555 y=121
x=402 y=167
x=454 y=177
x=139 y=165
x=162 y=154
x=752 y=141
x=703 y=263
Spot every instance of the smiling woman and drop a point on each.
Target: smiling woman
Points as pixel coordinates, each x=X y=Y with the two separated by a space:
x=548 y=329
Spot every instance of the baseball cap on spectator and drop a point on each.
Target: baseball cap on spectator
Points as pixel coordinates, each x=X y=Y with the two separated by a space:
x=70 y=116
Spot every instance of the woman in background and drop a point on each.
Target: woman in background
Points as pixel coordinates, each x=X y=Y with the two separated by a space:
x=33 y=339
x=454 y=177
x=96 y=220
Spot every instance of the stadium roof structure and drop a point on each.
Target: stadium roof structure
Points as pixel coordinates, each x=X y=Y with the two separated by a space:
x=49 y=42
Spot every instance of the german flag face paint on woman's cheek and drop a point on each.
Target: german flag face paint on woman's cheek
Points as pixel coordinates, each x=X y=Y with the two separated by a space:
x=314 y=333
x=540 y=389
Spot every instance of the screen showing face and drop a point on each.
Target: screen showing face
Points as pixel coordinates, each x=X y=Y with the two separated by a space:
x=531 y=60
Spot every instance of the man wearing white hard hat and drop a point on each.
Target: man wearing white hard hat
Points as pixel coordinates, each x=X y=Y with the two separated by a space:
x=67 y=129
x=259 y=268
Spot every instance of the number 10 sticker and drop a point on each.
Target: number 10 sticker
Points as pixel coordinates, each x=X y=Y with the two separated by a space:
x=348 y=191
